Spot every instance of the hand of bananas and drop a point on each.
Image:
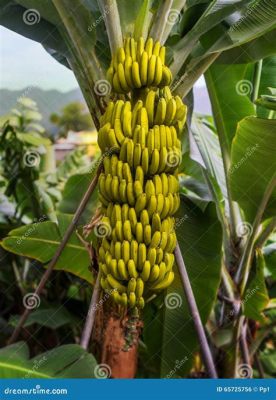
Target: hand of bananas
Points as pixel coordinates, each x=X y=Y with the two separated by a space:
x=137 y=65
x=139 y=186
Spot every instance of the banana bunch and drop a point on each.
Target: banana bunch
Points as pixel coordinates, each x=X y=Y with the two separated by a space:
x=155 y=121
x=139 y=188
x=139 y=64
x=163 y=108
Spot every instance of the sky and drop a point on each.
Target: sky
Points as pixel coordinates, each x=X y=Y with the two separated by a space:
x=25 y=63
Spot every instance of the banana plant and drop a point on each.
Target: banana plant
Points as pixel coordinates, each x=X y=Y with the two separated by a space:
x=227 y=177
x=23 y=149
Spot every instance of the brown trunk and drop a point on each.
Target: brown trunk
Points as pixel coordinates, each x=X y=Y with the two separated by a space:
x=115 y=340
x=120 y=355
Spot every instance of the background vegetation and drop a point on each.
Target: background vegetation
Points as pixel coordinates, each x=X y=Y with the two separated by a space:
x=226 y=223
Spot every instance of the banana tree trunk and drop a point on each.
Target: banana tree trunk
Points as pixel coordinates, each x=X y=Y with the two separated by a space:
x=121 y=359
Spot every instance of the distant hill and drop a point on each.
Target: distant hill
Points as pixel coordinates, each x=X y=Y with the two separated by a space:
x=48 y=101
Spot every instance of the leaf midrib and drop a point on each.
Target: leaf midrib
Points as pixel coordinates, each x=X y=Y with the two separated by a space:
x=75 y=246
x=22 y=369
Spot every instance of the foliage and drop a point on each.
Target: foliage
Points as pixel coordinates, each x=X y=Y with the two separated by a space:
x=73 y=117
x=228 y=180
x=69 y=361
x=31 y=221
x=22 y=145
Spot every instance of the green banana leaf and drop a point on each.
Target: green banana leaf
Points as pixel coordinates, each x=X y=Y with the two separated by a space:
x=45 y=8
x=268 y=360
x=215 y=13
x=142 y=20
x=128 y=15
x=229 y=92
x=193 y=11
x=252 y=23
x=268 y=80
x=258 y=18
x=268 y=102
x=170 y=354
x=82 y=40
x=41 y=240
x=208 y=147
x=256 y=49
x=256 y=296
x=48 y=316
x=253 y=165
x=270 y=258
x=72 y=194
x=67 y=361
